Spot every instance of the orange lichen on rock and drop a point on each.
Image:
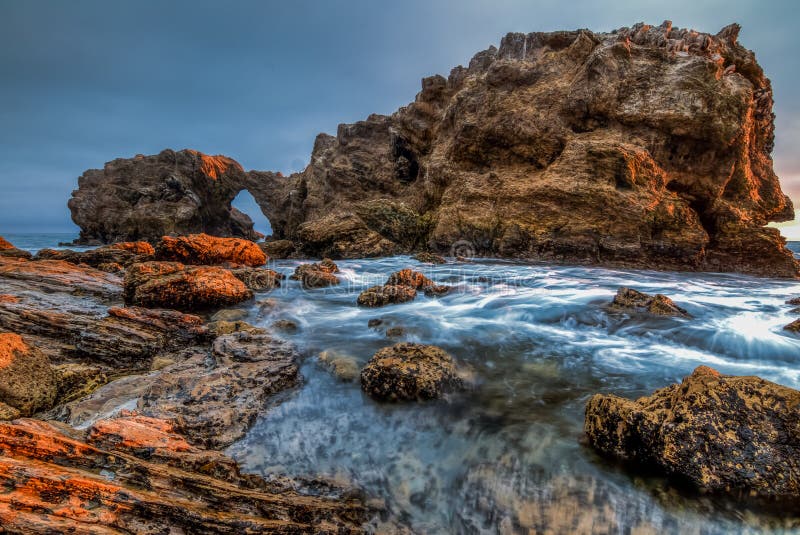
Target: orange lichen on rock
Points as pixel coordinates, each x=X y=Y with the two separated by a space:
x=8 y=298
x=136 y=247
x=134 y=475
x=202 y=249
x=132 y=432
x=5 y=244
x=9 y=345
x=27 y=382
x=173 y=285
x=215 y=166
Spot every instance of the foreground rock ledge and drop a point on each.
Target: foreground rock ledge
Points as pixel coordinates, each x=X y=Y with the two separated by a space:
x=136 y=475
x=723 y=434
x=648 y=146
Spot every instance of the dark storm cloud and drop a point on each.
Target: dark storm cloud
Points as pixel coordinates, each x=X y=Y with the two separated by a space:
x=87 y=81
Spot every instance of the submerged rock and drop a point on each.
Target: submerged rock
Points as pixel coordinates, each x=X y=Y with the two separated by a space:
x=343 y=366
x=723 y=434
x=139 y=475
x=205 y=250
x=27 y=382
x=401 y=287
x=409 y=371
x=628 y=299
x=188 y=288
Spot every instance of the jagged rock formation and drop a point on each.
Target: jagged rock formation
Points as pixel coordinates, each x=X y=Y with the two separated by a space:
x=722 y=434
x=138 y=475
x=647 y=146
x=147 y=197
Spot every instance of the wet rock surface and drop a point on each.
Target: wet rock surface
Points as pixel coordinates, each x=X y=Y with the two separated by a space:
x=429 y=258
x=723 y=434
x=523 y=153
x=408 y=372
x=137 y=475
x=378 y=296
x=317 y=275
x=401 y=287
x=216 y=395
x=630 y=300
x=174 y=285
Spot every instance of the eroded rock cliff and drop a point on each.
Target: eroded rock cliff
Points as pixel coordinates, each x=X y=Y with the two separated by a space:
x=647 y=146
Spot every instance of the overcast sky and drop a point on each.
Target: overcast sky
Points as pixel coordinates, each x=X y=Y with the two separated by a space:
x=86 y=81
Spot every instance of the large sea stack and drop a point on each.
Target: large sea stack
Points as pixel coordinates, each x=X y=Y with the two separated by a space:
x=647 y=146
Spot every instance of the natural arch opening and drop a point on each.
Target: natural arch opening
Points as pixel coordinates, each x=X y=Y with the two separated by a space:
x=245 y=203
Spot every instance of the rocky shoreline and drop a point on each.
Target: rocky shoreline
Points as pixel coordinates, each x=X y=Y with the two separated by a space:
x=113 y=407
x=132 y=401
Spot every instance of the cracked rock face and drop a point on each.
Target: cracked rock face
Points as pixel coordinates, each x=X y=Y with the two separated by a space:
x=646 y=147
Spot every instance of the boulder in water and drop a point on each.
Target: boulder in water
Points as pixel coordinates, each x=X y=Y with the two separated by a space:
x=723 y=434
x=628 y=299
x=407 y=371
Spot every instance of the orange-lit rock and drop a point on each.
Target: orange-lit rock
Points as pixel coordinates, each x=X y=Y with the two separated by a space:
x=8 y=249
x=135 y=475
x=173 y=285
x=205 y=250
x=136 y=247
x=215 y=166
x=27 y=382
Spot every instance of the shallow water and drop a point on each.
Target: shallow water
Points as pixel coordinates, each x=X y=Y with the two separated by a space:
x=536 y=342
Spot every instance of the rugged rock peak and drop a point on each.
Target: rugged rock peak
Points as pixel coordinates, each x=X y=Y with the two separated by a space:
x=646 y=146
x=171 y=193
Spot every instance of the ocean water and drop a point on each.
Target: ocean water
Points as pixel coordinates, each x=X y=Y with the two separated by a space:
x=535 y=342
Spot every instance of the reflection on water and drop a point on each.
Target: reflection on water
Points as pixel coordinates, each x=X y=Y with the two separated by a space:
x=506 y=456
